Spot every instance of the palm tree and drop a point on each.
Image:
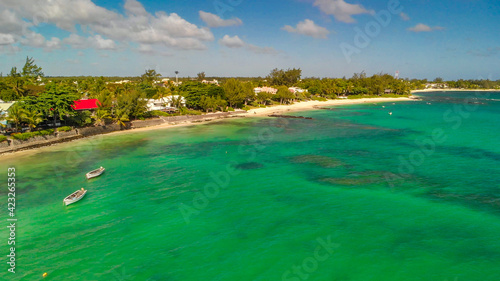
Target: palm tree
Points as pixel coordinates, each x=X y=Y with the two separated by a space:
x=121 y=117
x=16 y=115
x=100 y=116
x=33 y=118
x=177 y=101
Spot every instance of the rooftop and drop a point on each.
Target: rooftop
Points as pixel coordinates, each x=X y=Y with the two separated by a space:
x=86 y=104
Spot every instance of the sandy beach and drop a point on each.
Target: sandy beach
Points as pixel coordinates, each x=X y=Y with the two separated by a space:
x=455 y=90
x=257 y=112
x=312 y=105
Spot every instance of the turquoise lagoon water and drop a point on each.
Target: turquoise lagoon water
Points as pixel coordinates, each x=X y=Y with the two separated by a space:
x=353 y=194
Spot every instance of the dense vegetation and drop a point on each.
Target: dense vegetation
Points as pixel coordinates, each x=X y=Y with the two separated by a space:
x=46 y=101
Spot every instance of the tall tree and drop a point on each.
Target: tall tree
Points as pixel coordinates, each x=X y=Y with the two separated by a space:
x=284 y=95
x=248 y=92
x=16 y=82
x=56 y=101
x=150 y=76
x=201 y=76
x=289 y=77
x=234 y=92
x=31 y=71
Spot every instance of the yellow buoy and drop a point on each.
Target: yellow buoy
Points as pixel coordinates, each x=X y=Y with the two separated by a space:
x=44 y=275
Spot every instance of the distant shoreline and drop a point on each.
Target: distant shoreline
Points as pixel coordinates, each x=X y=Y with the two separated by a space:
x=455 y=90
x=257 y=112
x=312 y=105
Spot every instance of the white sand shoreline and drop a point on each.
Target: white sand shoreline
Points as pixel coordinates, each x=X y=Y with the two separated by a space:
x=257 y=112
x=455 y=90
x=312 y=105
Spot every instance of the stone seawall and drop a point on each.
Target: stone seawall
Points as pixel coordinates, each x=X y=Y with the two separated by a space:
x=38 y=141
x=4 y=144
x=35 y=140
x=67 y=134
x=207 y=117
x=91 y=131
x=146 y=123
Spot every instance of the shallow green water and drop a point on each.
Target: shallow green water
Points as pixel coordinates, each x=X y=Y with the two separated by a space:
x=257 y=199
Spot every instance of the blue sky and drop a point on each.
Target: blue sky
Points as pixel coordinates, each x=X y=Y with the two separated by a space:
x=325 y=38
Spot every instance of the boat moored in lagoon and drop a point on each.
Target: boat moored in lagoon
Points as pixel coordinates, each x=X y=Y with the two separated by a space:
x=95 y=173
x=75 y=196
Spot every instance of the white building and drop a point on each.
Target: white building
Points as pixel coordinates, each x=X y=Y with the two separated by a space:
x=266 y=90
x=436 y=86
x=4 y=107
x=215 y=82
x=297 y=90
x=164 y=104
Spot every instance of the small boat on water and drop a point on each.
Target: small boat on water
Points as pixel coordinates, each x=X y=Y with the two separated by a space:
x=75 y=196
x=95 y=173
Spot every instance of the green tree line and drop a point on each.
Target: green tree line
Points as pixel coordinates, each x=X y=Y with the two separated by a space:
x=45 y=101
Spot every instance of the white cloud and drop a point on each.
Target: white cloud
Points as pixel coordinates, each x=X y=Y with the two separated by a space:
x=215 y=21
x=6 y=39
x=11 y=23
x=103 y=44
x=424 y=28
x=236 y=42
x=96 y=42
x=33 y=39
x=137 y=25
x=53 y=43
x=308 y=28
x=404 y=16
x=133 y=7
x=341 y=10
x=231 y=42
x=149 y=50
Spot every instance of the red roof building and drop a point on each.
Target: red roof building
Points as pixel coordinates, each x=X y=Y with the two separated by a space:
x=86 y=104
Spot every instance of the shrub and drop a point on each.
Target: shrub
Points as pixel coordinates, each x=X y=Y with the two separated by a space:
x=3 y=138
x=193 y=112
x=230 y=109
x=394 y=95
x=29 y=135
x=64 y=129
x=45 y=132
x=318 y=98
x=353 y=97
x=246 y=108
x=23 y=136
x=159 y=113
